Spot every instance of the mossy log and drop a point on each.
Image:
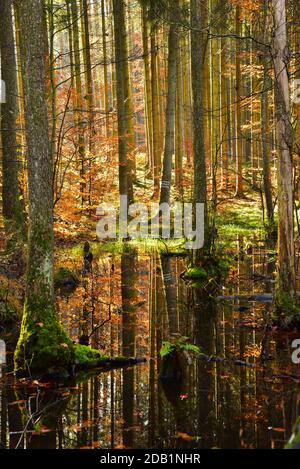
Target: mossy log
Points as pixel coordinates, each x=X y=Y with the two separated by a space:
x=46 y=349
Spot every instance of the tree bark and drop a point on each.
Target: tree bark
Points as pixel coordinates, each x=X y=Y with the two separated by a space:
x=12 y=207
x=42 y=342
x=239 y=141
x=173 y=44
x=264 y=126
x=286 y=252
x=123 y=95
x=78 y=100
x=197 y=72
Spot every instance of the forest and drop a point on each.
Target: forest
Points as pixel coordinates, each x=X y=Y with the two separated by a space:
x=150 y=224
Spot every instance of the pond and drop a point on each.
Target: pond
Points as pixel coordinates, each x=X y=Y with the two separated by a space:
x=244 y=394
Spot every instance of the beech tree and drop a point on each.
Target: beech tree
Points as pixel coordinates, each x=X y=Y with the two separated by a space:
x=197 y=64
x=124 y=108
x=169 y=143
x=286 y=249
x=42 y=343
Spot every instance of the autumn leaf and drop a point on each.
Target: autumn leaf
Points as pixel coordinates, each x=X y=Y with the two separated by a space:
x=278 y=429
x=21 y=401
x=186 y=436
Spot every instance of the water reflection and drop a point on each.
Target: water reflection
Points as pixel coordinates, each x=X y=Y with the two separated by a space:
x=246 y=396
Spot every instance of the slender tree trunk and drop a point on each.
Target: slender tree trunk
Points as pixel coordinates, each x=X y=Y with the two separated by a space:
x=286 y=251
x=179 y=129
x=12 y=208
x=239 y=141
x=197 y=65
x=78 y=101
x=264 y=125
x=173 y=43
x=148 y=89
x=122 y=78
x=155 y=111
x=89 y=90
x=105 y=68
x=42 y=342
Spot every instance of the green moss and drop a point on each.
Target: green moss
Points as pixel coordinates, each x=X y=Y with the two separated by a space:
x=294 y=442
x=213 y=266
x=243 y=218
x=194 y=273
x=43 y=345
x=164 y=246
x=87 y=357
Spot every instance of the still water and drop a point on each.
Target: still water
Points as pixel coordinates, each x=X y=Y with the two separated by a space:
x=245 y=396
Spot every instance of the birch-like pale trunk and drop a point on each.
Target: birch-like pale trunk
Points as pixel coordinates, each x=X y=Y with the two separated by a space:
x=286 y=251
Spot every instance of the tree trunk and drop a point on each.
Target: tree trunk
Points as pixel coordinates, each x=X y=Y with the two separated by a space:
x=105 y=68
x=89 y=90
x=12 y=208
x=197 y=64
x=148 y=89
x=286 y=252
x=78 y=100
x=155 y=111
x=123 y=95
x=239 y=141
x=42 y=342
x=173 y=43
x=264 y=125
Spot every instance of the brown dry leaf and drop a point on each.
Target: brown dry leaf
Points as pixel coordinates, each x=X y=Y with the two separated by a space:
x=185 y=436
x=278 y=429
x=21 y=401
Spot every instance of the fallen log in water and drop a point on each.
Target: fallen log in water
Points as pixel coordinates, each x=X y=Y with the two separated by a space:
x=260 y=297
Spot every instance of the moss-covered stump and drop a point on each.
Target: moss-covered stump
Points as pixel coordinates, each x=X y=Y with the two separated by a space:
x=46 y=350
x=65 y=279
x=294 y=442
x=212 y=268
x=195 y=273
x=175 y=358
x=43 y=344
